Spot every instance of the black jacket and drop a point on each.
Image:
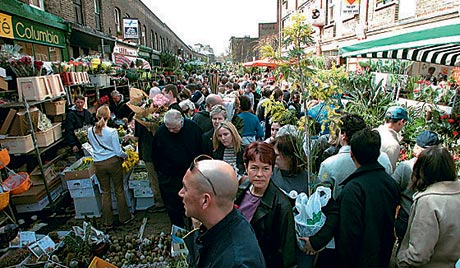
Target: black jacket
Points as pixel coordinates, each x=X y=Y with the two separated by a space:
x=273 y=223
x=206 y=142
x=76 y=120
x=173 y=152
x=230 y=243
x=219 y=154
x=367 y=213
x=203 y=120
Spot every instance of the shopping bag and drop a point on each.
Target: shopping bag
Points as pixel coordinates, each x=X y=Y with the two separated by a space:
x=308 y=217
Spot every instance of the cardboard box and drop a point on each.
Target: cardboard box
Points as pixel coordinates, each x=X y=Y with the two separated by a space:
x=44 y=138
x=18 y=144
x=3 y=84
x=8 y=121
x=21 y=124
x=35 y=193
x=36 y=177
x=143 y=203
x=81 y=183
x=40 y=204
x=88 y=206
x=55 y=107
x=71 y=174
x=143 y=192
x=100 y=263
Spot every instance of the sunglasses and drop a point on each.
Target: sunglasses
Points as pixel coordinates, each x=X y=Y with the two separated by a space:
x=194 y=164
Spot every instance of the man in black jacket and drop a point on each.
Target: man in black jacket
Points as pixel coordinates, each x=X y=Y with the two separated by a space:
x=367 y=207
x=225 y=238
x=176 y=143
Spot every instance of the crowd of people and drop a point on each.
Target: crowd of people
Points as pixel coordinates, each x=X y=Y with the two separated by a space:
x=222 y=164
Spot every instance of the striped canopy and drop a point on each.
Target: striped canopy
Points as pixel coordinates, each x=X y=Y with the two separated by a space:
x=440 y=45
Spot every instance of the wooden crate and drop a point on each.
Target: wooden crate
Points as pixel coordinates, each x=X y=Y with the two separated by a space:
x=56 y=85
x=33 y=88
x=18 y=144
x=57 y=131
x=55 y=107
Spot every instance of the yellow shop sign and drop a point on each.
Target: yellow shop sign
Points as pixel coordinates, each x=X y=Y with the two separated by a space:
x=6 y=26
x=23 y=29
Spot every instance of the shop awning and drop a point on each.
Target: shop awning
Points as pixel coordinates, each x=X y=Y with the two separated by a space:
x=440 y=45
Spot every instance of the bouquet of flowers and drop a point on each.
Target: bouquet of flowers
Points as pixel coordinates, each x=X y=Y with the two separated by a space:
x=153 y=116
x=26 y=66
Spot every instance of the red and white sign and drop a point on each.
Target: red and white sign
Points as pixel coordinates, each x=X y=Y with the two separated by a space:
x=350 y=7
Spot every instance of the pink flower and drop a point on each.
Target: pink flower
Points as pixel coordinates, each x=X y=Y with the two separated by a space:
x=160 y=100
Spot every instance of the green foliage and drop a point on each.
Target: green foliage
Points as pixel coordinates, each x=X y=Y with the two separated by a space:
x=168 y=60
x=279 y=113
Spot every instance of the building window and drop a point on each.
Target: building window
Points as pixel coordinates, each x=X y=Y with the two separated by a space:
x=407 y=9
x=285 y=4
x=379 y=3
x=78 y=11
x=117 y=20
x=144 y=35
x=152 y=40
x=157 y=45
x=97 y=14
x=330 y=12
x=37 y=3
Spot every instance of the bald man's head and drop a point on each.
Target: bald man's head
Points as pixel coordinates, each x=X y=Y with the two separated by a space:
x=212 y=100
x=222 y=177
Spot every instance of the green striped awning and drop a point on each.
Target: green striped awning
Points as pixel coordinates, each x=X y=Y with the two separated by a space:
x=440 y=45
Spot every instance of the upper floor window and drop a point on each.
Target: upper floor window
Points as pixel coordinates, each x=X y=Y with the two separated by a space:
x=330 y=11
x=117 y=15
x=379 y=3
x=152 y=39
x=144 y=35
x=97 y=14
x=157 y=42
x=78 y=11
x=407 y=9
x=37 y=3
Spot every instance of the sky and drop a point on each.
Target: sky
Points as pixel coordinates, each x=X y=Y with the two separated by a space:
x=213 y=22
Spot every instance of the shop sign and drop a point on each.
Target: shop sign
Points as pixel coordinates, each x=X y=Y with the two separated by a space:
x=130 y=28
x=350 y=7
x=25 y=30
x=456 y=74
x=144 y=54
x=118 y=49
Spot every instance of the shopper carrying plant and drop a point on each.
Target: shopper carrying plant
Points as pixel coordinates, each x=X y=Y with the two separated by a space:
x=107 y=161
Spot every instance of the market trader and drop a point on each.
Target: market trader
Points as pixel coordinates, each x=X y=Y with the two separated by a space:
x=176 y=143
x=77 y=117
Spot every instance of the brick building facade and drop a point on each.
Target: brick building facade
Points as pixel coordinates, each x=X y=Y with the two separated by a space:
x=375 y=19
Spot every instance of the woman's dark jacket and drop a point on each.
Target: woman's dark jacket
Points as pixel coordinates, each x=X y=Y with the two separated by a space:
x=75 y=120
x=219 y=154
x=273 y=223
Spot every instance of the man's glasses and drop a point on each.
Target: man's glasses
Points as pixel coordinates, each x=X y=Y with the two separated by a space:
x=194 y=164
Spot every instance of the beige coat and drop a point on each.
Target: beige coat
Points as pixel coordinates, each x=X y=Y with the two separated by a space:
x=433 y=234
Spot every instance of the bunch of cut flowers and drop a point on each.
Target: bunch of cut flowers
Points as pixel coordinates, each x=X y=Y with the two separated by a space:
x=153 y=116
x=26 y=66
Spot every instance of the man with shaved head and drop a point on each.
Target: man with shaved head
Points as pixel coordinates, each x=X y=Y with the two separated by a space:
x=225 y=238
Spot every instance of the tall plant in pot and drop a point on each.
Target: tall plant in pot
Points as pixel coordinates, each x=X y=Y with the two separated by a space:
x=306 y=73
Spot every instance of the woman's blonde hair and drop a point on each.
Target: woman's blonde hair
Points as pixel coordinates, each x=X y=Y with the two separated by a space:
x=237 y=142
x=102 y=116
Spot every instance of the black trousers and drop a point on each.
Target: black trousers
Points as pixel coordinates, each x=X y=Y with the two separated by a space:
x=169 y=188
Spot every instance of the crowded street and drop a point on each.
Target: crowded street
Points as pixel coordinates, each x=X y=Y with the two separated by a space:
x=283 y=133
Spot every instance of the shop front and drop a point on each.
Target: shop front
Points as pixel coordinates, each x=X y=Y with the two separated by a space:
x=87 y=41
x=124 y=55
x=40 y=34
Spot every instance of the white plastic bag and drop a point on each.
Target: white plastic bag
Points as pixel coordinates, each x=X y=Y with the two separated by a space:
x=308 y=217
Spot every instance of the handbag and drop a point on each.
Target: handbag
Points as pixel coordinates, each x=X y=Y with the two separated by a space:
x=100 y=144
